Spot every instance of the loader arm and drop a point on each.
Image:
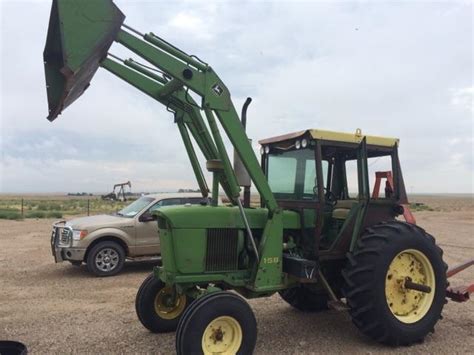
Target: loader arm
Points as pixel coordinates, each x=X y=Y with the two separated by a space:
x=79 y=37
x=185 y=71
x=187 y=115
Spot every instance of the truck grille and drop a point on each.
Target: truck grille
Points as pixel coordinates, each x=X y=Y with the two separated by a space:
x=65 y=237
x=222 y=249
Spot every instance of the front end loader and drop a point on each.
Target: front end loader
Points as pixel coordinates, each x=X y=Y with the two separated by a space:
x=312 y=240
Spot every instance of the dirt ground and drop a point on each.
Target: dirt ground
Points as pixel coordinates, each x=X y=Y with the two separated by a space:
x=58 y=308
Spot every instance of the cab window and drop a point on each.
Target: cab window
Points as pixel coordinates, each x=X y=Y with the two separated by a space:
x=292 y=174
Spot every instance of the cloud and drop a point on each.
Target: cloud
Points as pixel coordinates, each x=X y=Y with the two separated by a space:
x=187 y=22
x=463 y=98
x=74 y=175
x=392 y=69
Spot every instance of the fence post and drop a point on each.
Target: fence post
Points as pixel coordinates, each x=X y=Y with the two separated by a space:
x=22 y=213
x=88 y=207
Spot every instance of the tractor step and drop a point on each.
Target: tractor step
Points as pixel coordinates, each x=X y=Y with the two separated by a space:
x=304 y=269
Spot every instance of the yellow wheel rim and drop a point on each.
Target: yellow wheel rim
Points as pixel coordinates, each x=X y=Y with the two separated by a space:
x=164 y=305
x=408 y=305
x=222 y=336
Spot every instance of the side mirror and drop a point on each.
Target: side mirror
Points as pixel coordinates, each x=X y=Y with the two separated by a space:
x=147 y=217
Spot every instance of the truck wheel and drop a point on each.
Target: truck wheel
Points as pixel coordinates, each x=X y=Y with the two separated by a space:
x=388 y=260
x=155 y=307
x=304 y=299
x=106 y=259
x=218 y=323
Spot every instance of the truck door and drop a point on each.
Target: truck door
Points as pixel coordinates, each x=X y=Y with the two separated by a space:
x=148 y=241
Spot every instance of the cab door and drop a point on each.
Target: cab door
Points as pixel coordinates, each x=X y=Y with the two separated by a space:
x=364 y=191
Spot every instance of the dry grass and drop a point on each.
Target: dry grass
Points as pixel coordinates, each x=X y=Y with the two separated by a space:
x=54 y=206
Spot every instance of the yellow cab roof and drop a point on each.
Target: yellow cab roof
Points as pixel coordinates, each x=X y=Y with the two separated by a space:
x=335 y=136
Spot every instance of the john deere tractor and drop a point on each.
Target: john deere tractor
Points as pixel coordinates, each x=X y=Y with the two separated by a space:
x=314 y=240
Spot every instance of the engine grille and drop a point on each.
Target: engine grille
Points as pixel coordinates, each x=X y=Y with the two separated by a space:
x=222 y=249
x=65 y=236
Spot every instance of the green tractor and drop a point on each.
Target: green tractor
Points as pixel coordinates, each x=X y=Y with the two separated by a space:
x=312 y=240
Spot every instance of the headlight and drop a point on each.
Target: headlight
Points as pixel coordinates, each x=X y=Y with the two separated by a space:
x=79 y=234
x=262 y=150
x=297 y=144
x=304 y=143
x=267 y=149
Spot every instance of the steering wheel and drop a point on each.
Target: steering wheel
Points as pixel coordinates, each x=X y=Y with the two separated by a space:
x=331 y=198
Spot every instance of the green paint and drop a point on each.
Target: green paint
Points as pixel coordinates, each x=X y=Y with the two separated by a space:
x=79 y=37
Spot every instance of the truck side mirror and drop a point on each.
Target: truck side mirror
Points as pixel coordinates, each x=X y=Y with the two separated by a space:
x=147 y=217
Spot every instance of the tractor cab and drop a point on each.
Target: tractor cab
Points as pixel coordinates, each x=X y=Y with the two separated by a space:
x=325 y=176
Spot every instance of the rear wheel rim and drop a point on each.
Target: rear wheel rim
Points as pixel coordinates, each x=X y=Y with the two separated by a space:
x=223 y=335
x=164 y=305
x=107 y=259
x=409 y=306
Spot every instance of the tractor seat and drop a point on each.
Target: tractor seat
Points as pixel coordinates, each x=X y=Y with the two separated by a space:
x=342 y=209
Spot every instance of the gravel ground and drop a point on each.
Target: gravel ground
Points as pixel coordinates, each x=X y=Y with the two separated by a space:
x=58 y=308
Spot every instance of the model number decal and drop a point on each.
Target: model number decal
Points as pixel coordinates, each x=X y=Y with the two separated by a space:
x=271 y=260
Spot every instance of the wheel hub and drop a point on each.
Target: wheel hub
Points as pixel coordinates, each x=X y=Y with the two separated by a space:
x=167 y=305
x=107 y=259
x=223 y=335
x=217 y=335
x=408 y=286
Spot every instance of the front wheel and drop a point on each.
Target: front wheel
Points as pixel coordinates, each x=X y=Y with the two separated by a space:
x=396 y=283
x=158 y=307
x=218 y=323
x=106 y=259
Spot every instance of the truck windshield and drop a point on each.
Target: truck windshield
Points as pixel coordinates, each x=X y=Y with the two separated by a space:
x=132 y=209
x=292 y=174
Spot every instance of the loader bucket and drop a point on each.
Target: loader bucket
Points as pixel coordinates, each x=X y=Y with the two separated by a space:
x=79 y=35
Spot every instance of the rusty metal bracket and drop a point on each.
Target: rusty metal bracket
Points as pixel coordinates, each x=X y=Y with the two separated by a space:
x=459 y=293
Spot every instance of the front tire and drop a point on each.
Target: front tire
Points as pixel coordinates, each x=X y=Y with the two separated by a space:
x=153 y=306
x=217 y=323
x=382 y=306
x=105 y=259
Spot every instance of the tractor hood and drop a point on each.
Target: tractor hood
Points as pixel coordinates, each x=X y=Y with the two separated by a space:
x=202 y=217
x=79 y=35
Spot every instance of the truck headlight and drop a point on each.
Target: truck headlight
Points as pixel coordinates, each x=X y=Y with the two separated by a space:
x=79 y=234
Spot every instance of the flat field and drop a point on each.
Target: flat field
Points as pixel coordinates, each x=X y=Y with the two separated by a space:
x=58 y=308
x=54 y=206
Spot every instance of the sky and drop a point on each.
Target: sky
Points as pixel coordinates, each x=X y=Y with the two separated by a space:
x=397 y=69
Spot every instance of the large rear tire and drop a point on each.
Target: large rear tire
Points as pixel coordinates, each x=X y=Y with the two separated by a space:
x=382 y=306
